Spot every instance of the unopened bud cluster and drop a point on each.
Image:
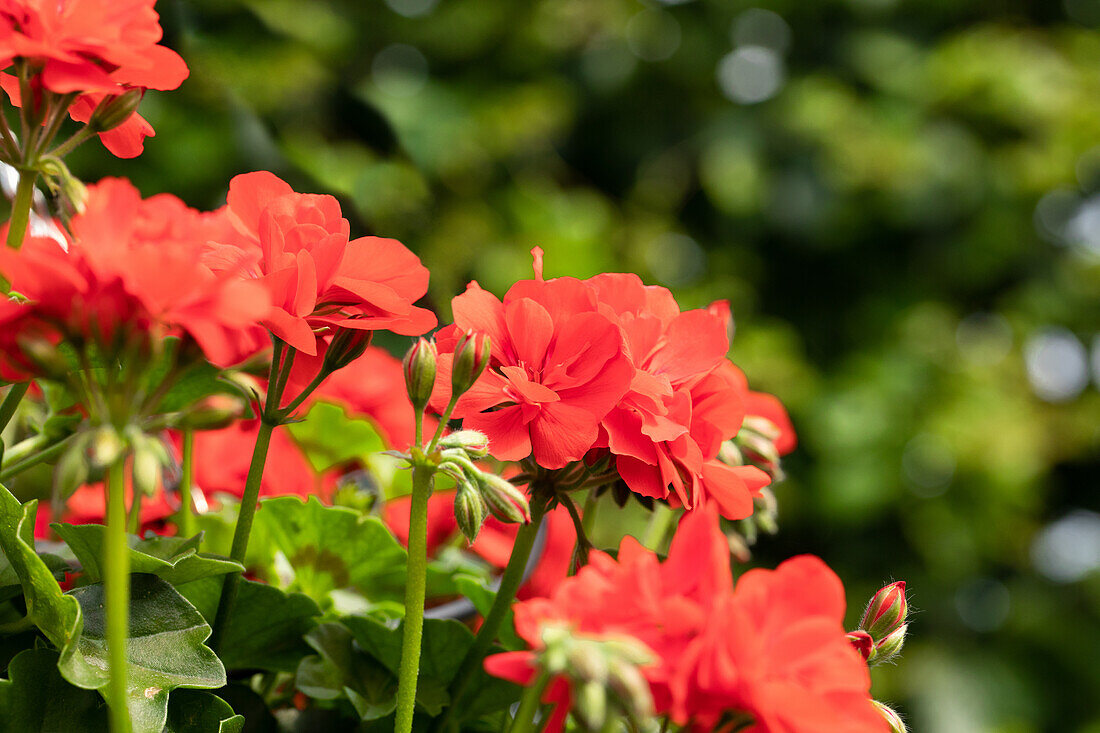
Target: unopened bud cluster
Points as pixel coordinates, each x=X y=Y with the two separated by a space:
x=479 y=493
x=882 y=630
x=603 y=674
x=755 y=444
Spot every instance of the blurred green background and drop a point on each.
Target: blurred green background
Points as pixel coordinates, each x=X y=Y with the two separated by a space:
x=901 y=198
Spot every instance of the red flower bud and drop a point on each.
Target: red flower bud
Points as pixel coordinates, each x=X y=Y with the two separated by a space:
x=886 y=611
x=862 y=642
x=420 y=367
x=471 y=359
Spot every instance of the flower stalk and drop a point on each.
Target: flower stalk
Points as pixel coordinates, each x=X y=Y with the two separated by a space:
x=423 y=477
x=117 y=590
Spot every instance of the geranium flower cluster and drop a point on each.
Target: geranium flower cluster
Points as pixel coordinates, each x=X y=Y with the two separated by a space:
x=772 y=647
x=153 y=338
x=582 y=368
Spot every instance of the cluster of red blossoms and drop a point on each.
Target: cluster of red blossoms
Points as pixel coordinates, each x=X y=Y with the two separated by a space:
x=95 y=50
x=773 y=646
x=582 y=368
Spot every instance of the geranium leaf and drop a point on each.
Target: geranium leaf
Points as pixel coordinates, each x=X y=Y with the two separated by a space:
x=444 y=645
x=165 y=649
x=339 y=670
x=194 y=711
x=315 y=549
x=330 y=438
x=36 y=698
x=174 y=559
x=57 y=615
x=266 y=627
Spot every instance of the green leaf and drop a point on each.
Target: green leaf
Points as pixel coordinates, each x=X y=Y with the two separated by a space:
x=174 y=559
x=315 y=549
x=193 y=711
x=339 y=670
x=445 y=643
x=330 y=437
x=37 y=699
x=266 y=627
x=57 y=615
x=165 y=649
x=9 y=578
x=478 y=590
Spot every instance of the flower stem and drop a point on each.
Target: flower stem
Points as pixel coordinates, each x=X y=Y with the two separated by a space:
x=117 y=587
x=509 y=586
x=524 y=722
x=185 y=523
x=37 y=451
x=414 y=598
x=269 y=420
x=21 y=208
x=244 y=528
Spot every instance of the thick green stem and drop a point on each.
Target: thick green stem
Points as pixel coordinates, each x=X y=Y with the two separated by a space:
x=37 y=451
x=509 y=586
x=659 y=523
x=186 y=521
x=414 y=598
x=243 y=530
x=117 y=582
x=21 y=208
x=524 y=722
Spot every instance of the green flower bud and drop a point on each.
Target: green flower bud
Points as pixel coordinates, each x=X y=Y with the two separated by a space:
x=474 y=443
x=631 y=689
x=106 y=446
x=113 y=111
x=895 y=721
x=471 y=357
x=506 y=502
x=420 y=368
x=470 y=510
x=890 y=645
x=590 y=705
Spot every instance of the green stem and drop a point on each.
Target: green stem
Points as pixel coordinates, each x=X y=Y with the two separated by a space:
x=242 y=531
x=11 y=402
x=509 y=586
x=21 y=208
x=117 y=582
x=524 y=722
x=185 y=524
x=21 y=463
x=414 y=598
x=659 y=523
x=79 y=137
x=269 y=420
x=15 y=627
x=588 y=515
x=134 y=520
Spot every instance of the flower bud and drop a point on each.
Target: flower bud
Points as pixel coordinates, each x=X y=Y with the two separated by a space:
x=71 y=471
x=890 y=645
x=420 y=368
x=469 y=510
x=506 y=502
x=631 y=688
x=346 y=346
x=588 y=662
x=886 y=611
x=106 y=447
x=113 y=111
x=862 y=642
x=474 y=443
x=895 y=721
x=590 y=706
x=471 y=357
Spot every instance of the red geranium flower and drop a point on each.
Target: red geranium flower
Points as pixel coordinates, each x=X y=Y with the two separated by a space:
x=96 y=48
x=776 y=648
x=557 y=366
x=683 y=400
x=773 y=647
x=135 y=264
x=297 y=245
